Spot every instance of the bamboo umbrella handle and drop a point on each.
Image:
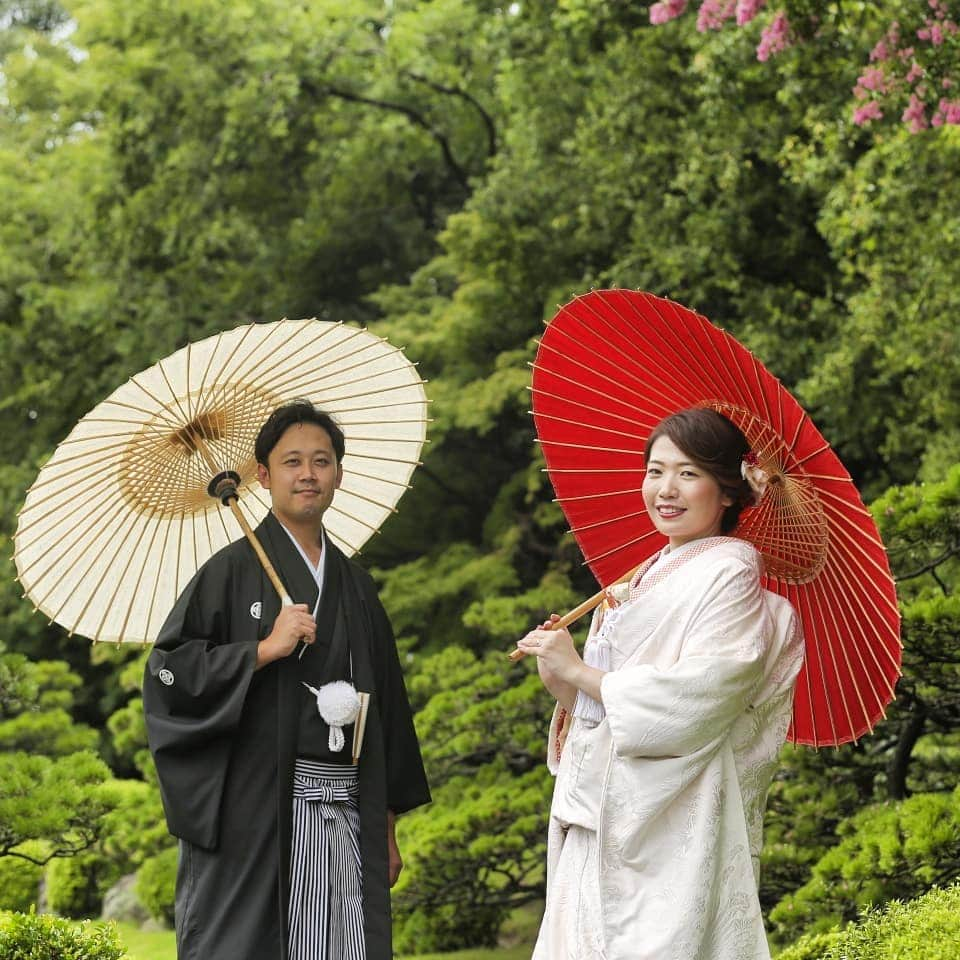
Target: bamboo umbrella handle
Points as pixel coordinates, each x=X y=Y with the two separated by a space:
x=577 y=612
x=224 y=487
x=261 y=554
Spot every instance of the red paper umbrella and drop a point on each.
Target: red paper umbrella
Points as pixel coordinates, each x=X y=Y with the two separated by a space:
x=610 y=366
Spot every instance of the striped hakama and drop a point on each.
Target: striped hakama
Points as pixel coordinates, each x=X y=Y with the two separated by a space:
x=326 y=895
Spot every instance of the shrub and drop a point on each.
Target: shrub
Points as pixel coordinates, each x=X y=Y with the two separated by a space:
x=19 y=883
x=76 y=885
x=927 y=928
x=28 y=936
x=887 y=851
x=156 y=880
x=20 y=878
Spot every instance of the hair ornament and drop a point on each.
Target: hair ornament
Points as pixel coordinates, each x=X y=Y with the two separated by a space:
x=757 y=478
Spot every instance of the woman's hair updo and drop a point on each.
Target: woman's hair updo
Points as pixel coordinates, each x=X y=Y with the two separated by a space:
x=715 y=445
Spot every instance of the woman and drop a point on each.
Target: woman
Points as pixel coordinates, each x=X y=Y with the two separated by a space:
x=679 y=710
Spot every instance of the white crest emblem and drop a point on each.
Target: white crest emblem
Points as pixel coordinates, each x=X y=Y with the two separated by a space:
x=255 y=610
x=166 y=677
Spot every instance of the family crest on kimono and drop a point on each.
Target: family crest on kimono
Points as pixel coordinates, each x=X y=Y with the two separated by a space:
x=287 y=848
x=666 y=733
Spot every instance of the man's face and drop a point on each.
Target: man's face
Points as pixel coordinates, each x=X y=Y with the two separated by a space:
x=302 y=474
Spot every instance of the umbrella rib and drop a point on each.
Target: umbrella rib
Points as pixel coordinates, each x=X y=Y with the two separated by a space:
x=280 y=365
x=576 y=403
x=601 y=523
x=815 y=647
x=202 y=386
x=809 y=687
x=612 y=342
x=160 y=411
x=174 y=397
x=371 y=476
x=376 y=393
x=843 y=571
x=699 y=328
x=591 y=370
x=362 y=496
x=591 y=470
x=672 y=372
x=96 y=516
x=830 y=616
x=144 y=525
x=592 y=426
x=365 y=439
x=591 y=389
x=340 y=411
x=586 y=446
x=368 y=456
x=84 y=520
x=89 y=491
x=345 y=513
x=866 y=638
x=318 y=384
x=337 y=369
x=620 y=546
x=224 y=376
x=156 y=581
x=857 y=544
x=599 y=496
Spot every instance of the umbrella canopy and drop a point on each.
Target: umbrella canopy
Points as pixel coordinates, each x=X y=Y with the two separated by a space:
x=120 y=517
x=609 y=367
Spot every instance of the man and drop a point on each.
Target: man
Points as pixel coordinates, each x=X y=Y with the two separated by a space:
x=287 y=849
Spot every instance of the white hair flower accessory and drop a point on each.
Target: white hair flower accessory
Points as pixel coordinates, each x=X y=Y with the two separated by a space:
x=757 y=478
x=339 y=705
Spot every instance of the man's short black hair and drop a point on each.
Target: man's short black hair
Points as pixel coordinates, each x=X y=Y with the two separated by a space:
x=284 y=417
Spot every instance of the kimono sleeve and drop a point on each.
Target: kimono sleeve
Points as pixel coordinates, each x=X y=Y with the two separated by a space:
x=679 y=709
x=194 y=687
x=406 y=780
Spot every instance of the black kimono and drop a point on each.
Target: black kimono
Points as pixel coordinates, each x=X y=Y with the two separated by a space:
x=225 y=737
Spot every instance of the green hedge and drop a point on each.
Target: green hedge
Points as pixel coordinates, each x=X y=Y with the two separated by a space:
x=890 y=851
x=156 y=880
x=20 y=879
x=29 y=936
x=927 y=928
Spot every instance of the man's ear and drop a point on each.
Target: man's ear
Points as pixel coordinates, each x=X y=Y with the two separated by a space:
x=339 y=476
x=263 y=475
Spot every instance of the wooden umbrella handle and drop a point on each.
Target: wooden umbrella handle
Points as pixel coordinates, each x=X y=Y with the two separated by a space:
x=577 y=612
x=261 y=554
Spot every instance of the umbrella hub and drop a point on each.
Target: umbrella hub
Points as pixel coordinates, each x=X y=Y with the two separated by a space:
x=789 y=525
x=166 y=466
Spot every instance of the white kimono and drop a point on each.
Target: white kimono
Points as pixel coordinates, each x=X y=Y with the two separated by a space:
x=657 y=813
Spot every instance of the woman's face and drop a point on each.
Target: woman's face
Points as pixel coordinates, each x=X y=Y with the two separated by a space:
x=683 y=500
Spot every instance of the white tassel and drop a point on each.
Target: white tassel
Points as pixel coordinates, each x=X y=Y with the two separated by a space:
x=339 y=705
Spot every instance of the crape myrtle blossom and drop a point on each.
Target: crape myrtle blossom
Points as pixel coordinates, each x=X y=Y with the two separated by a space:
x=912 y=66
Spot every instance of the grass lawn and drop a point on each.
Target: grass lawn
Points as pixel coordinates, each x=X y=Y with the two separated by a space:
x=160 y=945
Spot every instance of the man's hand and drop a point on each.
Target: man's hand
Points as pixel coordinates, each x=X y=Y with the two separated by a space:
x=293 y=625
x=394 y=860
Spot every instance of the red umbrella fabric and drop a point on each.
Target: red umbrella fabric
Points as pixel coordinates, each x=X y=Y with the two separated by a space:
x=610 y=366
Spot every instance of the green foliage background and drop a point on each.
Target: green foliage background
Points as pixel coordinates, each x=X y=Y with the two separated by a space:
x=448 y=172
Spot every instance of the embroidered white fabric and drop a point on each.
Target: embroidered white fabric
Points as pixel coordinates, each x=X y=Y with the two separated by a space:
x=597 y=654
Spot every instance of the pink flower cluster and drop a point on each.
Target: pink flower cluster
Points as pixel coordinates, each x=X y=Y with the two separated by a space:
x=667 y=10
x=905 y=71
x=917 y=74
x=712 y=14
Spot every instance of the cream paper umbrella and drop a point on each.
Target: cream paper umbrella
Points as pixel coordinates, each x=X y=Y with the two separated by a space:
x=128 y=507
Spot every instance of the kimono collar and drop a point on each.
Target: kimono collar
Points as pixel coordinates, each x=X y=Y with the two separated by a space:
x=315 y=571
x=662 y=564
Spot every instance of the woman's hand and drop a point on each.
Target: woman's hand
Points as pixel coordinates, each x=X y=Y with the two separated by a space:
x=564 y=693
x=561 y=669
